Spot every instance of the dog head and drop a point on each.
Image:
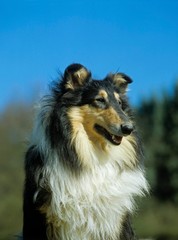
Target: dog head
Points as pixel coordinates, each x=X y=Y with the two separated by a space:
x=101 y=107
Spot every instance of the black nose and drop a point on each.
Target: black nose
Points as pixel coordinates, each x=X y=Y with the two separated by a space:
x=126 y=128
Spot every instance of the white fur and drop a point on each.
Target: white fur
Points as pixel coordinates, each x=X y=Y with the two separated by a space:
x=93 y=204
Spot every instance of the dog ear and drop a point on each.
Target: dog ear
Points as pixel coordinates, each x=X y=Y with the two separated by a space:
x=121 y=81
x=75 y=75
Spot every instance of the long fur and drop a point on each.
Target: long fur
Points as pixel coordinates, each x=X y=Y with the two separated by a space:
x=81 y=179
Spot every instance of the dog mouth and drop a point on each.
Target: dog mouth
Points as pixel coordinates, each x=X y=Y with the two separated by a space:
x=114 y=139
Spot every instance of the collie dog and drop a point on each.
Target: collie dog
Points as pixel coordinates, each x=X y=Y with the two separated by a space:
x=83 y=166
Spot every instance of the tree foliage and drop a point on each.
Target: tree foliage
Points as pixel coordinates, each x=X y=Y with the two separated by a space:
x=158 y=121
x=15 y=123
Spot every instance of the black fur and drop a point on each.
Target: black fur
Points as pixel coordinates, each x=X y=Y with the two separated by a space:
x=34 y=223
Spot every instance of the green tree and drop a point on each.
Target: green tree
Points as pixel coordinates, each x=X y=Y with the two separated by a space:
x=158 y=121
x=15 y=123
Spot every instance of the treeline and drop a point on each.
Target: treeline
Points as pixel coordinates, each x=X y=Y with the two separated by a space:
x=158 y=122
x=15 y=124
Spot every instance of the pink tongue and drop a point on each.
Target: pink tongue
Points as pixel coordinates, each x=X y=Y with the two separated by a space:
x=117 y=139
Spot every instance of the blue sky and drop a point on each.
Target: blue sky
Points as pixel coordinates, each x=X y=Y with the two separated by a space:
x=40 y=38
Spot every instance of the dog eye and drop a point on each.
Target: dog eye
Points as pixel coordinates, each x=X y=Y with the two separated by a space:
x=100 y=99
x=100 y=102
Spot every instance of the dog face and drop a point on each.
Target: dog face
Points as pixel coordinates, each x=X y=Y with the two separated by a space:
x=102 y=109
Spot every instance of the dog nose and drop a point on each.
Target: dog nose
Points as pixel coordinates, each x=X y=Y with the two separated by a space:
x=126 y=128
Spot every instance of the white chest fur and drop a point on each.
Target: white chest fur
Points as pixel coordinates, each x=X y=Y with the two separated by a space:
x=91 y=206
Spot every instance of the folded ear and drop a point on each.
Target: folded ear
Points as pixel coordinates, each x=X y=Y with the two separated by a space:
x=121 y=81
x=75 y=75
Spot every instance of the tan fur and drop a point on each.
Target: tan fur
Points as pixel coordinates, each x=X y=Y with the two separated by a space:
x=79 y=77
x=119 y=79
x=83 y=120
x=78 y=132
x=103 y=94
x=117 y=96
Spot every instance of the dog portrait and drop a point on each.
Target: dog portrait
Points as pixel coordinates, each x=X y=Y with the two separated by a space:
x=84 y=163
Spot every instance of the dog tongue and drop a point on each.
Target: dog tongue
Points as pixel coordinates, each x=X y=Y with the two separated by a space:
x=117 y=139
